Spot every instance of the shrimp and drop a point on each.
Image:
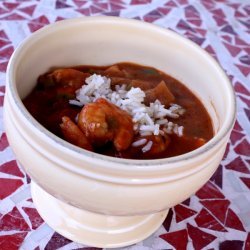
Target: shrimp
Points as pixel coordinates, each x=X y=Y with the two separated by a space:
x=104 y=122
x=73 y=134
x=67 y=79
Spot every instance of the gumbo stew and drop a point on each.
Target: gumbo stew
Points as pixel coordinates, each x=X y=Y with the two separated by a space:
x=123 y=110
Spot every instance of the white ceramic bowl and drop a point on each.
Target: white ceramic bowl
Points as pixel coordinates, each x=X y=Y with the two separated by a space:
x=126 y=200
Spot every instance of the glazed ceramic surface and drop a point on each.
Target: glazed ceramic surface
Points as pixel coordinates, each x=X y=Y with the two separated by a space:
x=101 y=184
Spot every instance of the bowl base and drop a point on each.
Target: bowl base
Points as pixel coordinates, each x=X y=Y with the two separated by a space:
x=90 y=228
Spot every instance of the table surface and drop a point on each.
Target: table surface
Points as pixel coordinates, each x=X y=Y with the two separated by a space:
x=218 y=216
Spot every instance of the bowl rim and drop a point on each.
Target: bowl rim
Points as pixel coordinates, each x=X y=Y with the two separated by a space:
x=113 y=162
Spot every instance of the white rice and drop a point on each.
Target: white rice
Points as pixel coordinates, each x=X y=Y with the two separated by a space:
x=180 y=131
x=147 y=147
x=139 y=142
x=148 y=120
x=146 y=133
x=162 y=121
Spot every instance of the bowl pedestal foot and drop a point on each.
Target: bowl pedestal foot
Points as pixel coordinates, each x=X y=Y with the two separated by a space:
x=90 y=228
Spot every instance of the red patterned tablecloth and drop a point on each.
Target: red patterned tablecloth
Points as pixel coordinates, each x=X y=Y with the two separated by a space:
x=218 y=216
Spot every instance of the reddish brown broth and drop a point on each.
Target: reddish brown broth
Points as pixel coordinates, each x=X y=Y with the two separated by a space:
x=48 y=103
